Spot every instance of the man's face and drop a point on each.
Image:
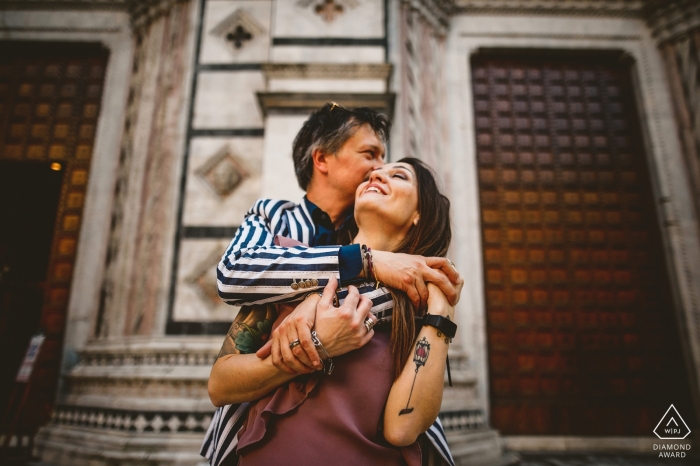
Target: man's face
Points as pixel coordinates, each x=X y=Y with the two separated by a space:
x=361 y=153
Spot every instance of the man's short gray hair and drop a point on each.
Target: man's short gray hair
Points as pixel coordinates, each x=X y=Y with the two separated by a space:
x=327 y=129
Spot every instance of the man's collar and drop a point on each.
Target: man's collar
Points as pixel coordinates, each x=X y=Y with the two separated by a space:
x=319 y=217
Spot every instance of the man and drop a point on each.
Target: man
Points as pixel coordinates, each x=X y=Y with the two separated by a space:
x=333 y=153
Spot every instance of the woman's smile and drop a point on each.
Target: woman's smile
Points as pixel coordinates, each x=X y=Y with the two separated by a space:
x=375 y=188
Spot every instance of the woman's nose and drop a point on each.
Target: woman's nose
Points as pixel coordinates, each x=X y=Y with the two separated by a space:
x=377 y=175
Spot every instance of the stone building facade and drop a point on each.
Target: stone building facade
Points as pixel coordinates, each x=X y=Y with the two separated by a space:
x=583 y=114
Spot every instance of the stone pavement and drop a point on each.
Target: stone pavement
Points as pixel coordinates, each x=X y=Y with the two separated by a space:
x=593 y=459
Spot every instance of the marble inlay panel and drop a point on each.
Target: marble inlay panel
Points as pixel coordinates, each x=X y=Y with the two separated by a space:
x=327 y=54
x=326 y=18
x=196 y=297
x=327 y=85
x=227 y=100
x=223 y=180
x=252 y=16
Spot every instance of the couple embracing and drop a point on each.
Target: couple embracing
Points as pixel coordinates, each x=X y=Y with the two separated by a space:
x=338 y=353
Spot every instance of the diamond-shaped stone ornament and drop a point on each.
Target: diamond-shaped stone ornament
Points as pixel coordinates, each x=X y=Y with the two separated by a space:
x=203 y=279
x=223 y=172
x=237 y=29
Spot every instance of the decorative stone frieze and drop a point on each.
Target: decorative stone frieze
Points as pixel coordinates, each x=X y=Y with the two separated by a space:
x=132 y=421
x=466 y=419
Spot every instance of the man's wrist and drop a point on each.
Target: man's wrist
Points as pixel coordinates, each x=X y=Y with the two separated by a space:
x=350 y=265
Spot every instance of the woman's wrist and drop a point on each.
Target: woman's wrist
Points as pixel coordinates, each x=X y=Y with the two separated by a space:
x=444 y=311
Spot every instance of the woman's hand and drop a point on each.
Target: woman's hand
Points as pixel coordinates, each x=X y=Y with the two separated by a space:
x=342 y=329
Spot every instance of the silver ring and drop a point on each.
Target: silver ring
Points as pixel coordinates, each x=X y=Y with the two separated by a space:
x=294 y=343
x=369 y=323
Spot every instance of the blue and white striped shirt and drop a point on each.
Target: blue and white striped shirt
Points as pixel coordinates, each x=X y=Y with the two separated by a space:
x=255 y=271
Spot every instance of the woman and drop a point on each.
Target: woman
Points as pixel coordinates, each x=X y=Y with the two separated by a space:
x=379 y=398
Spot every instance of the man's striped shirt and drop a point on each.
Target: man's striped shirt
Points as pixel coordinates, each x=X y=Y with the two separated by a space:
x=255 y=271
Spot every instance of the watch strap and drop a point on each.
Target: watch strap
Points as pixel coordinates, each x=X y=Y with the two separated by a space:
x=441 y=323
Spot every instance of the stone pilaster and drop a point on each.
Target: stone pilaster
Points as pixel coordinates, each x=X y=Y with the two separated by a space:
x=137 y=267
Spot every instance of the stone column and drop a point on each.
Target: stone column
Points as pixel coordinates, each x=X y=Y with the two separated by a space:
x=136 y=397
x=419 y=51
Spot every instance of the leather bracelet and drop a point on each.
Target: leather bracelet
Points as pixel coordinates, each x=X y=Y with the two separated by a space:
x=329 y=359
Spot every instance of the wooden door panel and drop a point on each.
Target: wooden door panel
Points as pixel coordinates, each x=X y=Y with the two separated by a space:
x=50 y=96
x=581 y=336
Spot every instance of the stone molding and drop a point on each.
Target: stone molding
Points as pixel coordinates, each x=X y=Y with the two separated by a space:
x=307 y=102
x=327 y=70
x=142 y=12
x=81 y=446
x=119 y=5
x=624 y=8
x=152 y=351
x=670 y=19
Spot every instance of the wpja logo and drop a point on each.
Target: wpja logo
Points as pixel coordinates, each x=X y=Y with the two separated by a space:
x=671 y=427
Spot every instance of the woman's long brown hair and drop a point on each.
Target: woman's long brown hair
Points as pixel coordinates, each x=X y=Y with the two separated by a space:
x=430 y=237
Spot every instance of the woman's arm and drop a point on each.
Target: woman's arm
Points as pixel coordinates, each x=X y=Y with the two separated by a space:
x=238 y=374
x=415 y=397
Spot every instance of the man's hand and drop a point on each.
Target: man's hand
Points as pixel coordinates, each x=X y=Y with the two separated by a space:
x=411 y=274
x=342 y=329
x=303 y=358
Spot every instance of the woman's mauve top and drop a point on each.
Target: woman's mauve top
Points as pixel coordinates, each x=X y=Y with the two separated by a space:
x=328 y=419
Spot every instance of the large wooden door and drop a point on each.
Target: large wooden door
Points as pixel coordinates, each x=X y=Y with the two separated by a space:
x=582 y=338
x=50 y=96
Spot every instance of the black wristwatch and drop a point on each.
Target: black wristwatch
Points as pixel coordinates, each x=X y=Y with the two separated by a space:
x=441 y=323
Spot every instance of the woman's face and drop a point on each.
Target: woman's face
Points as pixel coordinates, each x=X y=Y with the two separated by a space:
x=391 y=192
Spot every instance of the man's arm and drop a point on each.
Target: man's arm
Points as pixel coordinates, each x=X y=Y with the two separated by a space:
x=249 y=331
x=255 y=271
x=238 y=375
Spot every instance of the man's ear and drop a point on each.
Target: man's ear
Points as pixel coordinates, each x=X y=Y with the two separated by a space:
x=320 y=159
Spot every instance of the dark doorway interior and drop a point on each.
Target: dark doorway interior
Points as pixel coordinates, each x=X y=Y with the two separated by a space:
x=29 y=195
